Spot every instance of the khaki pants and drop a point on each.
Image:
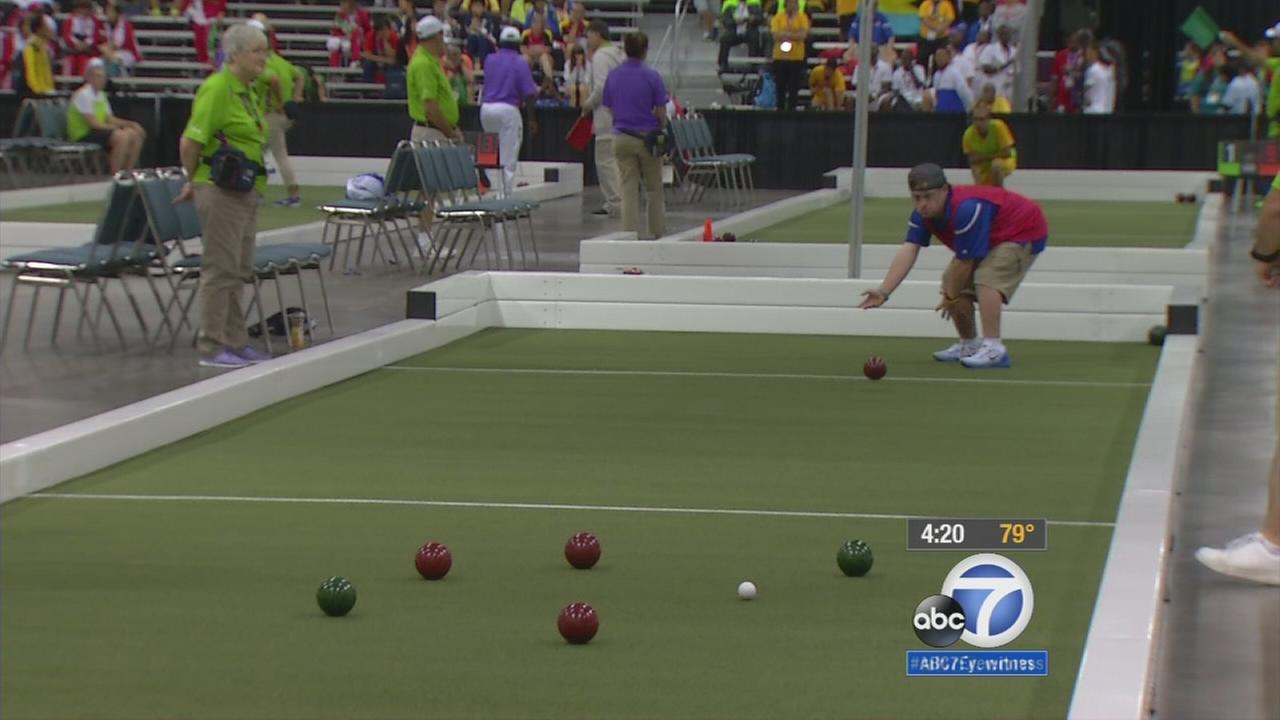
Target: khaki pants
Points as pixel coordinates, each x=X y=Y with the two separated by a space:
x=229 y=221
x=422 y=133
x=635 y=163
x=278 y=125
x=607 y=173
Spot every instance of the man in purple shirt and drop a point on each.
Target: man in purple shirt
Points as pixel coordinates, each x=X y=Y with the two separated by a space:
x=508 y=84
x=635 y=94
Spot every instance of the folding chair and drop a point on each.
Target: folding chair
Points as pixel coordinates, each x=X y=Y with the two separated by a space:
x=77 y=157
x=120 y=241
x=734 y=169
x=380 y=215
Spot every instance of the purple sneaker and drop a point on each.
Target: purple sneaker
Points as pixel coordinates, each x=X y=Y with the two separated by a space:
x=224 y=359
x=251 y=355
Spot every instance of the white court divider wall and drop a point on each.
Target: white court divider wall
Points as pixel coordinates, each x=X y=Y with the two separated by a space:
x=1143 y=266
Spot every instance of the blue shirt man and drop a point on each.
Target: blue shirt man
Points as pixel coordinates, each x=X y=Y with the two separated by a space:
x=632 y=91
x=881 y=29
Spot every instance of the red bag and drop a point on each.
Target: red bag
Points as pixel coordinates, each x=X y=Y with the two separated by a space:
x=580 y=134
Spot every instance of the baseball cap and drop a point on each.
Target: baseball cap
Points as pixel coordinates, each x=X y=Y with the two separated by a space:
x=428 y=27
x=599 y=27
x=926 y=176
x=256 y=23
x=1273 y=32
x=95 y=63
x=509 y=34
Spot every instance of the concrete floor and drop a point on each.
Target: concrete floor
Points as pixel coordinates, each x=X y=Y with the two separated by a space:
x=1222 y=637
x=46 y=386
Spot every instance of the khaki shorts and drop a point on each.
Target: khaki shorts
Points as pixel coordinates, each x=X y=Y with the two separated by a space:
x=1003 y=269
x=422 y=133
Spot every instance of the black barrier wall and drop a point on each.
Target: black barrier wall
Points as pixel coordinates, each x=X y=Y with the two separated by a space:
x=794 y=149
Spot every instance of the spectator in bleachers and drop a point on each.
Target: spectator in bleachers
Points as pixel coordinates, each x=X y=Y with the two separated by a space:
x=120 y=50
x=405 y=20
x=313 y=89
x=989 y=145
x=950 y=92
x=790 y=30
x=37 y=57
x=452 y=28
x=226 y=117
x=707 y=15
x=577 y=77
x=516 y=12
x=483 y=29
x=574 y=28
x=909 y=81
x=965 y=61
x=90 y=119
x=1211 y=104
x=82 y=34
x=202 y=14
x=881 y=90
x=536 y=44
x=550 y=18
x=380 y=47
x=279 y=88
x=983 y=21
x=1068 y=75
x=936 y=18
x=638 y=99
x=1011 y=14
x=970 y=57
x=1243 y=95
x=1187 y=69
x=881 y=29
x=346 y=39
x=605 y=56
x=740 y=22
x=998 y=105
x=996 y=63
x=460 y=70
x=1265 y=57
x=827 y=86
x=1099 y=83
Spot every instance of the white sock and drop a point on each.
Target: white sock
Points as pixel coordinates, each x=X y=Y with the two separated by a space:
x=424 y=240
x=970 y=343
x=993 y=342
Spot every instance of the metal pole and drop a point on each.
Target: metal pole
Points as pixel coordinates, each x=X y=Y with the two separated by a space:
x=1024 y=87
x=675 y=47
x=866 y=20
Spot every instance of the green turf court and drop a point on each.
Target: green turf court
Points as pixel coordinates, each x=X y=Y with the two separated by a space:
x=151 y=605
x=1072 y=223
x=270 y=217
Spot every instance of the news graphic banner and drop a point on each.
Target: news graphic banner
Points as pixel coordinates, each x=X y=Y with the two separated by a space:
x=977 y=534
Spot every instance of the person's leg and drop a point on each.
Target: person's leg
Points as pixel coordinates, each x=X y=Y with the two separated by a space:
x=651 y=167
x=220 y=269
x=626 y=150
x=962 y=318
x=728 y=39
x=245 y=212
x=139 y=138
x=608 y=174
x=121 y=145
x=510 y=138
x=782 y=76
x=490 y=122
x=278 y=124
x=997 y=278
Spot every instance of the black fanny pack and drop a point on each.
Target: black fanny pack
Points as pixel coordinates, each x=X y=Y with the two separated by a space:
x=231 y=169
x=655 y=141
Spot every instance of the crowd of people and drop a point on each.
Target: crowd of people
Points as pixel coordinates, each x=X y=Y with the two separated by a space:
x=1230 y=76
x=959 y=58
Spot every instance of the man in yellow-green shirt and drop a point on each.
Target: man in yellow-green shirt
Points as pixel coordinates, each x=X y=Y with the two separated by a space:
x=90 y=119
x=279 y=87
x=432 y=104
x=227 y=111
x=990 y=147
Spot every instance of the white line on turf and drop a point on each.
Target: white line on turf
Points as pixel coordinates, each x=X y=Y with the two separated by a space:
x=511 y=506
x=768 y=376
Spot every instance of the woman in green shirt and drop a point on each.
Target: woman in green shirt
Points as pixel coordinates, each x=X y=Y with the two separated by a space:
x=227 y=120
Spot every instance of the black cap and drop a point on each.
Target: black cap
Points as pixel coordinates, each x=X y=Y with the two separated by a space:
x=599 y=27
x=926 y=176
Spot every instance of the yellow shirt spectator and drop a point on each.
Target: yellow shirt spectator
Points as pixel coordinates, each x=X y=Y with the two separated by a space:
x=938 y=13
x=37 y=69
x=827 y=85
x=784 y=23
x=985 y=142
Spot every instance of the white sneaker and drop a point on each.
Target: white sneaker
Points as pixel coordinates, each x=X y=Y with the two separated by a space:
x=1247 y=558
x=958 y=351
x=988 y=356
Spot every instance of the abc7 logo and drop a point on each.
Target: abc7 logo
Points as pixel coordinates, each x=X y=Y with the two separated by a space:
x=986 y=601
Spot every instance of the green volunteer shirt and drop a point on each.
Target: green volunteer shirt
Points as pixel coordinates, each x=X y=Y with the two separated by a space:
x=96 y=102
x=1273 y=98
x=225 y=105
x=276 y=67
x=426 y=81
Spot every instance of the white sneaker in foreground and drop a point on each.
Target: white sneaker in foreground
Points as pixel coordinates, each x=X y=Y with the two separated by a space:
x=1247 y=558
x=957 y=352
x=988 y=356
